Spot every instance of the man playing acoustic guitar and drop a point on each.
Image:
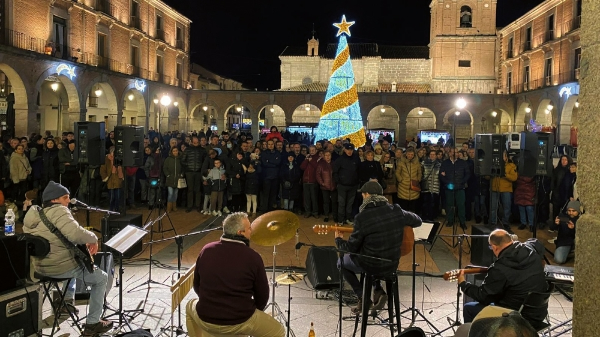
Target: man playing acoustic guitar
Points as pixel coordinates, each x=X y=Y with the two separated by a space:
x=517 y=271
x=378 y=232
x=60 y=262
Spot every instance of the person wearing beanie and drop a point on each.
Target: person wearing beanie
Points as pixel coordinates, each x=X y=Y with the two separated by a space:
x=566 y=224
x=61 y=263
x=378 y=231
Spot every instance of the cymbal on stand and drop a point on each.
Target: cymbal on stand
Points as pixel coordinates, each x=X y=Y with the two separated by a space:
x=289 y=278
x=274 y=228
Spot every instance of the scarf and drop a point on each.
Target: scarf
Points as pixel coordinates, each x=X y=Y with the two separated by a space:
x=374 y=198
x=236 y=238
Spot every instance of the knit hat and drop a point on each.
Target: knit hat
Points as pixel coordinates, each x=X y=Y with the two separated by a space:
x=378 y=146
x=349 y=146
x=574 y=204
x=372 y=187
x=54 y=191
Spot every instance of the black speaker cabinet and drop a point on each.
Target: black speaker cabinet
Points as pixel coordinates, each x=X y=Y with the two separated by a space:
x=481 y=254
x=129 y=145
x=321 y=268
x=476 y=279
x=21 y=313
x=118 y=222
x=90 y=137
x=535 y=157
x=13 y=254
x=103 y=261
x=489 y=159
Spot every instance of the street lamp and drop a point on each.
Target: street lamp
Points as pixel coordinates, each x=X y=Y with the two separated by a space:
x=98 y=92
x=528 y=109
x=461 y=103
x=130 y=97
x=205 y=108
x=494 y=114
x=54 y=86
x=577 y=104
x=420 y=112
x=175 y=103
x=550 y=107
x=382 y=110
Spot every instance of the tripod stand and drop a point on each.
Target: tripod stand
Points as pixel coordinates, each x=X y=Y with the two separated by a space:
x=276 y=311
x=453 y=225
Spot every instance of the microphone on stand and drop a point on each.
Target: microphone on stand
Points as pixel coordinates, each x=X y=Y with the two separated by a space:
x=78 y=203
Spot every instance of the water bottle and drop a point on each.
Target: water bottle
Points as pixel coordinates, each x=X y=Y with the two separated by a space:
x=9 y=223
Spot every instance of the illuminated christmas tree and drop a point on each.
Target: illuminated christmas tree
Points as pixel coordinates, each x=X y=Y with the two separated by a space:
x=340 y=116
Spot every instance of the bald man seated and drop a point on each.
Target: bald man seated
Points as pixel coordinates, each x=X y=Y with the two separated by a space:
x=518 y=270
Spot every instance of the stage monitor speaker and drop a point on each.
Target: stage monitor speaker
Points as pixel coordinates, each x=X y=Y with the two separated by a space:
x=118 y=222
x=489 y=159
x=89 y=139
x=105 y=262
x=21 y=313
x=129 y=145
x=476 y=279
x=535 y=158
x=321 y=268
x=13 y=254
x=481 y=254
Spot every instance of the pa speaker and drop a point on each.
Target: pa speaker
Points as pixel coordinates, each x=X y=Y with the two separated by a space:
x=90 y=137
x=14 y=261
x=321 y=268
x=489 y=154
x=535 y=157
x=118 y=222
x=129 y=145
x=481 y=254
x=105 y=262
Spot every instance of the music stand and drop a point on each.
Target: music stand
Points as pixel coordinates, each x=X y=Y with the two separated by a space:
x=121 y=243
x=425 y=234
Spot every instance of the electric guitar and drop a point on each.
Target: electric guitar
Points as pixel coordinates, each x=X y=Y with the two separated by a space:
x=452 y=275
x=408 y=239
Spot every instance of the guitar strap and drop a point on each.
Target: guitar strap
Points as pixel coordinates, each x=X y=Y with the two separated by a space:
x=80 y=257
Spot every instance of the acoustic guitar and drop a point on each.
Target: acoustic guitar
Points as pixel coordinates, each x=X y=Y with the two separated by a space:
x=453 y=274
x=408 y=239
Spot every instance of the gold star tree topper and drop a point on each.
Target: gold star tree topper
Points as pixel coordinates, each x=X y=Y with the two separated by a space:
x=344 y=26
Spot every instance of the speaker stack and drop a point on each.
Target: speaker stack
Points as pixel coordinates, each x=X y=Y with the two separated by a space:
x=90 y=138
x=321 y=268
x=129 y=145
x=489 y=159
x=535 y=158
x=481 y=254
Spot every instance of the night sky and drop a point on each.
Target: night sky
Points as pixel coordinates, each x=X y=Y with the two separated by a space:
x=243 y=39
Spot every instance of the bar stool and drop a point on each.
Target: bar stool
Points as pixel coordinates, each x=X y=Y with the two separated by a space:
x=391 y=288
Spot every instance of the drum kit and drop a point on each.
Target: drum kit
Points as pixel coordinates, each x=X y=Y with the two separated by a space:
x=273 y=229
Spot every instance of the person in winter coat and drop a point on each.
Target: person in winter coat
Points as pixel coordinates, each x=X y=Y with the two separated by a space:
x=289 y=176
x=502 y=188
x=274 y=135
x=309 y=183
x=345 y=175
x=558 y=174
x=454 y=175
x=69 y=168
x=408 y=173
x=431 y=186
x=566 y=225
x=37 y=163
x=50 y=163
x=217 y=179
x=236 y=171
x=388 y=165
x=113 y=176
x=324 y=175
x=252 y=187
x=20 y=169
x=525 y=199
x=271 y=161
x=144 y=174
x=207 y=165
x=172 y=170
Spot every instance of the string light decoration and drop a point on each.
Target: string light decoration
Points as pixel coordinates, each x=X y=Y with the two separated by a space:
x=340 y=116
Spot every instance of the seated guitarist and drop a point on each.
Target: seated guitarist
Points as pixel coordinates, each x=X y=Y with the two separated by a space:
x=378 y=232
x=518 y=270
x=60 y=262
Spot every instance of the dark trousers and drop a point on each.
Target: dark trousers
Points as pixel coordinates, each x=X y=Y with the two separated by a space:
x=194 y=185
x=330 y=198
x=346 y=195
x=95 y=191
x=431 y=205
x=471 y=309
x=71 y=180
x=130 y=189
x=269 y=190
x=455 y=198
x=310 y=198
x=237 y=202
x=409 y=205
x=351 y=268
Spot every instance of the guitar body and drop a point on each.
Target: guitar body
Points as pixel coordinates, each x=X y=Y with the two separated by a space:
x=408 y=239
x=84 y=258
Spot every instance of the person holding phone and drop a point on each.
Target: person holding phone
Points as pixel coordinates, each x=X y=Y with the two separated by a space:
x=566 y=225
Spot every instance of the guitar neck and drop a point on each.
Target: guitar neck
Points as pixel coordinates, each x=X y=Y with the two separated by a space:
x=453 y=274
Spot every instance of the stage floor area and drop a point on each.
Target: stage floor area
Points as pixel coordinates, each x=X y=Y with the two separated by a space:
x=435 y=298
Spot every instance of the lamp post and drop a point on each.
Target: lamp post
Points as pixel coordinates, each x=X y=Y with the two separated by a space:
x=165 y=101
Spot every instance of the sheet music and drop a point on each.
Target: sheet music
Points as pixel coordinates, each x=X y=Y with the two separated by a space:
x=126 y=238
x=422 y=232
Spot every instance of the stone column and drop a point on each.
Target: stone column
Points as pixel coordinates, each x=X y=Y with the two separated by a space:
x=255 y=128
x=564 y=133
x=25 y=119
x=587 y=263
x=401 y=136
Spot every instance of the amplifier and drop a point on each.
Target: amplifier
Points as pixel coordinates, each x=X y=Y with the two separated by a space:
x=321 y=268
x=14 y=262
x=21 y=312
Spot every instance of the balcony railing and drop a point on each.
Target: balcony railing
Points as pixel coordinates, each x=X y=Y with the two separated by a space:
x=179 y=44
x=166 y=79
x=107 y=8
x=184 y=84
x=527 y=46
x=542 y=82
x=42 y=46
x=509 y=54
x=160 y=34
x=137 y=23
x=549 y=36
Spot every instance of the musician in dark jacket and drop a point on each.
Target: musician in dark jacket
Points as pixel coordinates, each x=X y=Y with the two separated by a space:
x=517 y=271
x=566 y=224
x=192 y=160
x=378 y=232
x=454 y=174
x=60 y=262
x=345 y=175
